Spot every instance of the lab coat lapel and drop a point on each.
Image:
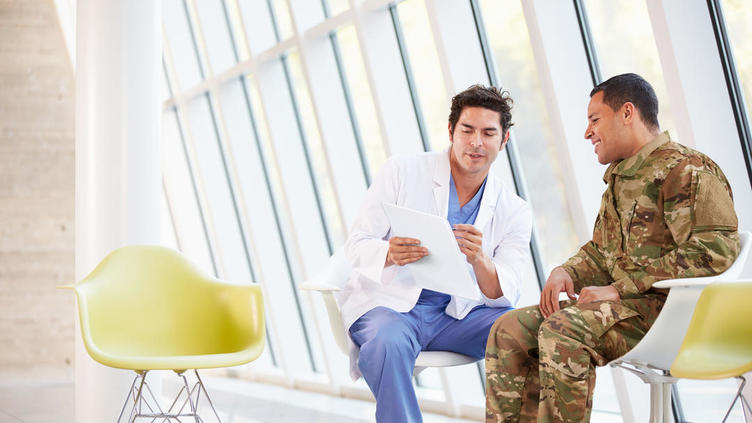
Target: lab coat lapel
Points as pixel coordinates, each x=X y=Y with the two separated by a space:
x=441 y=185
x=487 y=202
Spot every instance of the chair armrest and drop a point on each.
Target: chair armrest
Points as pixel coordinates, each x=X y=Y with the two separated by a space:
x=319 y=284
x=692 y=282
x=673 y=283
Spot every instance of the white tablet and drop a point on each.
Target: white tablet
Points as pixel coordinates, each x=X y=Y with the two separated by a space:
x=445 y=269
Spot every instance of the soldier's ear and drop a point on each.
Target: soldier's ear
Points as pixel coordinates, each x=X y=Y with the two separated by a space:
x=628 y=112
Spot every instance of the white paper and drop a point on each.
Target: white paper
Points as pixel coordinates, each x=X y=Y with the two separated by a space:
x=445 y=268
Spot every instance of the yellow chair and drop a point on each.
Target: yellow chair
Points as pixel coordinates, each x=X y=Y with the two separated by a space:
x=148 y=308
x=718 y=343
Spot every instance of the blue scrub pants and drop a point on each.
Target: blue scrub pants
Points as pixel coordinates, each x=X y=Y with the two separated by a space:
x=390 y=341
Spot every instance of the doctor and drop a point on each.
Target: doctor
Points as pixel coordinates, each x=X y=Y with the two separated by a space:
x=390 y=319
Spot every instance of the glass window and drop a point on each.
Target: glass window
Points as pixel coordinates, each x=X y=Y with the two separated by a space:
x=216 y=33
x=316 y=150
x=424 y=61
x=707 y=401
x=282 y=19
x=623 y=37
x=261 y=214
x=258 y=25
x=738 y=17
x=168 y=237
x=181 y=44
x=360 y=92
x=515 y=66
x=235 y=17
x=164 y=86
x=180 y=189
x=533 y=137
x=222 y=217
x=336 y=6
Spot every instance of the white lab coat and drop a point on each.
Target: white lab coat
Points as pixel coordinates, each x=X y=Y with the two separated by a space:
x=421 y=182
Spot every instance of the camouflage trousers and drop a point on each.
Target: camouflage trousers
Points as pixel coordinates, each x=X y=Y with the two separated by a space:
x=544 y=369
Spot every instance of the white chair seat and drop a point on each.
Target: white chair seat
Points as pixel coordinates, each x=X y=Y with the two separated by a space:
x=331 y=280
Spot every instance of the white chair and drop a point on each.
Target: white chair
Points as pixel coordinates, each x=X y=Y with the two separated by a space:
x=652 y=357
x=331 y=280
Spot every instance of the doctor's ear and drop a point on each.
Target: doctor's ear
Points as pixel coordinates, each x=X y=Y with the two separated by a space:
x=504 y=141
x=449 y=126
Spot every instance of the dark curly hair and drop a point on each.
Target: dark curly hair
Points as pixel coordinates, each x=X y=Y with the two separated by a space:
x=490 y=98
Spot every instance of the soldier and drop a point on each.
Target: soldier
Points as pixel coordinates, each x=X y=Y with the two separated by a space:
x=667 y=212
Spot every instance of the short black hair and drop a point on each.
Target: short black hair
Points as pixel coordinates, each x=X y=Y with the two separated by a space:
x=491 y=98
x=630 y=87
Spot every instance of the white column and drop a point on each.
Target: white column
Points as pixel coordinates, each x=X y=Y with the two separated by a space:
x=117 y=160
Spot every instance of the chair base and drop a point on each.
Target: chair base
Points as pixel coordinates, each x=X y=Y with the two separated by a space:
x=660 y=389
x=147 y=407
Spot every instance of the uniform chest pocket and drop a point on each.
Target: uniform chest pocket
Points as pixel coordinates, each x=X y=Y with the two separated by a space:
x=643 y=233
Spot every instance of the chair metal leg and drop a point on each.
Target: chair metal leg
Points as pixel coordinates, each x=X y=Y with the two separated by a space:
x=201 y=383
x=147 y=406
x=125 y=404
x=736 y=397
x=667 y=412
x=660 y=403
x=190 y=398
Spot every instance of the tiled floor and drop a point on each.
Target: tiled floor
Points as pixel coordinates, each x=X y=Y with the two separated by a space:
x=46 y=396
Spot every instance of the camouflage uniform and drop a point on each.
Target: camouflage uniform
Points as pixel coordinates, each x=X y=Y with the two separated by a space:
x=667 y=213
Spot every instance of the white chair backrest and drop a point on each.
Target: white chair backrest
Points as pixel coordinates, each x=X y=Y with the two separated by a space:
x=735 y=270
x=338 y=269
x=659 y=347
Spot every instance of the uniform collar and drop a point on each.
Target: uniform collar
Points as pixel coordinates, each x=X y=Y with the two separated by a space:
x=630 y=165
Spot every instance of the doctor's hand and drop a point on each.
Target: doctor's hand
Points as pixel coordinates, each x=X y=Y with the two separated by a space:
x=470 y=241
x=404 y=250
x=558 y=281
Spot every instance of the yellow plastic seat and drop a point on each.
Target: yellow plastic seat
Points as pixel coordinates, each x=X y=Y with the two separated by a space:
x=148 y=308
x=718 y=343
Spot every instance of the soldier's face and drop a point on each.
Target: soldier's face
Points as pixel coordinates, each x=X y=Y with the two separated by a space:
x=606 y=131
x=476 y=140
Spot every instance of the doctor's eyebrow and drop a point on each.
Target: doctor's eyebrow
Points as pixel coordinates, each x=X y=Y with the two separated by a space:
x=468 y=126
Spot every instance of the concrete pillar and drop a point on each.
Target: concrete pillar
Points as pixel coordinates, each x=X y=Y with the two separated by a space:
x=117 y=160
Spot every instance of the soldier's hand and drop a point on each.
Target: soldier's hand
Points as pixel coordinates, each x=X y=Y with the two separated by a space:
x=598 y=293
x=558 y=281
x=404 y=250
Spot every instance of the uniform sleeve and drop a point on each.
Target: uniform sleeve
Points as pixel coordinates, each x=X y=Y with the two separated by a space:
x=367 y=246
x=510 y=257
x=699 y=211
x=586 y=267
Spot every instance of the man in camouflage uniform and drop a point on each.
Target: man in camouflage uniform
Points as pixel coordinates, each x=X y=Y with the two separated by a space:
x=667 y=212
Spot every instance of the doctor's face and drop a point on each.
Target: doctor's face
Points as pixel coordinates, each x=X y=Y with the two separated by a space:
x=476 y=141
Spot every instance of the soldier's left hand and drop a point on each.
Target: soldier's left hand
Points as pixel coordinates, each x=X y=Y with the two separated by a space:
x=470 y=241
x=592 y=294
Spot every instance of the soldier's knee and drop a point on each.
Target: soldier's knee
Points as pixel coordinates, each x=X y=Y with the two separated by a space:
x=557 y=324
x=564 y=327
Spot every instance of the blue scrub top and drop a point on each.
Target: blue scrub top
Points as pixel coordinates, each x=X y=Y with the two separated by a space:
x=455 y=215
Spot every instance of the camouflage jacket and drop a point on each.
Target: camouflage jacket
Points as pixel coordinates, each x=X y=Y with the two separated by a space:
x=667 y=213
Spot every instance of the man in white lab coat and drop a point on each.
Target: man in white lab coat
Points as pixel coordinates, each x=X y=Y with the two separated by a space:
x=390 y=319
